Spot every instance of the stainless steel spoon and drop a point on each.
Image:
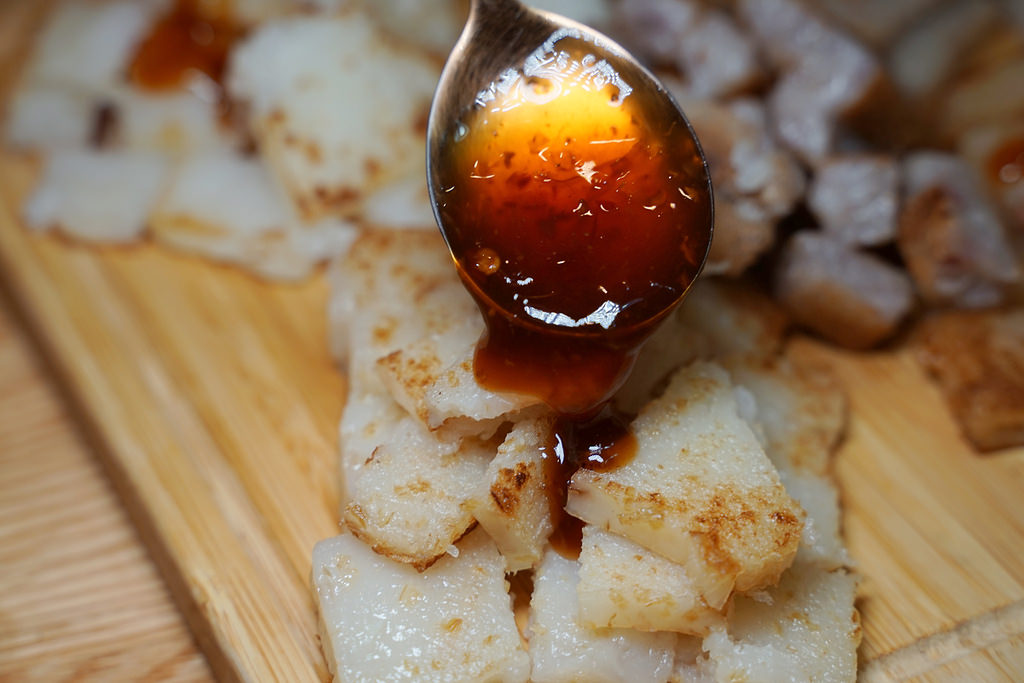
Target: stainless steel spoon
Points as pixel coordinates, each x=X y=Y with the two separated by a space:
x=501 y=42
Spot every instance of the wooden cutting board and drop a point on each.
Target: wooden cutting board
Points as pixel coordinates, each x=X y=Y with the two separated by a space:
x=216 y=404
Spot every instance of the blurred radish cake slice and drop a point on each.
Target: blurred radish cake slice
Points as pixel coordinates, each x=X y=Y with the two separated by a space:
x=96 y=196
x=47 y=117
x=228 y=208
x=700 y=490
x=384 y=621
x=336 y=108
x=562 y=650
x=87 y=45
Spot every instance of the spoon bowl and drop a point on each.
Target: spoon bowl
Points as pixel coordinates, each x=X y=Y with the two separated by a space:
x=570 y=190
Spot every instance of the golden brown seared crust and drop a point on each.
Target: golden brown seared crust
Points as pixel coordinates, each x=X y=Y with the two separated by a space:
x=700 y=491
x=977 y=357
x=507 y=489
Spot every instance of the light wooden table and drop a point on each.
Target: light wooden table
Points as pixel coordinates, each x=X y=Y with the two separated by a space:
x=80 y=599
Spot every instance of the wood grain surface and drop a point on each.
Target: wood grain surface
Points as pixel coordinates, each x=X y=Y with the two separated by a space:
x=79 y=598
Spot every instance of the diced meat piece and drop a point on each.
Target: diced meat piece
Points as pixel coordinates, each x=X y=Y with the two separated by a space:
x=826 y=75
x=563 y=651
x=856 y=198
x=75 y=194
x=717 y=57
x=977 y=357
x=654 y=28
x=760 y=167
x=513 y=503
x=801 y=412
x=456 y=618
x=431 y=24
x=743 y=157
x=808 y=101
x=624 y=585
x=996 y=153
x=336 y=108
x=876 y=21
x=46 y=117
x=86 y=46
x=926 y=55
x=807 y=630
x=792 y=32
x=700 y=491
x=228 y=208
x=743 y=232
x=756 y=181
x=409 y=500
x=851 y=298
x=717 y=320
x=952 y=241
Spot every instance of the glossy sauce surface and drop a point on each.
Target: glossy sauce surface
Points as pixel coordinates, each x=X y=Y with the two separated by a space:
x=577 y=207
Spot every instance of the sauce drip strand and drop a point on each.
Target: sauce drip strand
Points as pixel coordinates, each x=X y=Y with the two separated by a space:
x=601 y=444
x=578 y=210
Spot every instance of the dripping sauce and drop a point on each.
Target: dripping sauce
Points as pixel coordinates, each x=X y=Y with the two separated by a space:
x=577 y=207
x=186 y=42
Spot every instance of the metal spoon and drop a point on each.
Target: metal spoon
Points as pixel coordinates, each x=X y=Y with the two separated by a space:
x=568 y=185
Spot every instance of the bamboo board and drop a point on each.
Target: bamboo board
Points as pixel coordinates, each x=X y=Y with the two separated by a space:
x=216 y=405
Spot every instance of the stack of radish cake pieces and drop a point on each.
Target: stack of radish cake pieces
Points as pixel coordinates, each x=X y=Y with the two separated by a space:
x=713 y=554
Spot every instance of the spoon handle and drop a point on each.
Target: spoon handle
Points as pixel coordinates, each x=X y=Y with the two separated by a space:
x=496 y=7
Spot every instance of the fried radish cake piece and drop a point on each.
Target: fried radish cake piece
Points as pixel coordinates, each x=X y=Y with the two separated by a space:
x=564 y=651
x=801 y=414
x=409 y=501
x=383 y=621
x=407 y=485
x=513 y=503
x=96 y=196
x=700 y=491
x=804 y=629
x=624 y=585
